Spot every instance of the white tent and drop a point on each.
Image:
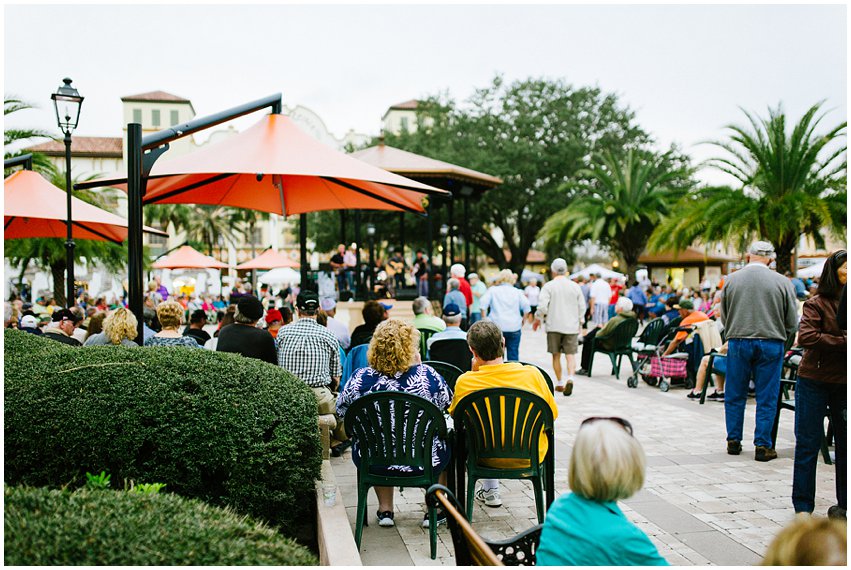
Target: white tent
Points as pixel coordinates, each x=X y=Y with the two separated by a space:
x=527 y=276
x=812 y=270
x=280 y=275
x=595 y=268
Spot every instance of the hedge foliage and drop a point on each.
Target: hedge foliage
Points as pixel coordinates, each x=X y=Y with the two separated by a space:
x=50 y=527
x=219 y=427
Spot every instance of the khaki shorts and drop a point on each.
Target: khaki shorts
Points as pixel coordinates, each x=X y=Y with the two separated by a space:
x=326 y=401
x=559 y=342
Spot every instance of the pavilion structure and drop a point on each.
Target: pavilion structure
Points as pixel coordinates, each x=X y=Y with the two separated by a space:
x=465 y=184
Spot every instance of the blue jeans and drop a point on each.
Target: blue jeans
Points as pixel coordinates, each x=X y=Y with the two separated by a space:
x=422 y=287
x=812 y=401
x=764 y=359
x=475 y=317
x=512 y=345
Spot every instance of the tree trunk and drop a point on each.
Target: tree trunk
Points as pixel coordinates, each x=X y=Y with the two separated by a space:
x=784 y=258
x=57 y=270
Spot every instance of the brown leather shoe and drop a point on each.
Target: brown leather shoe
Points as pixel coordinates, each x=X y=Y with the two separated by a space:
x=764 y=453
x=568 y=388
x=734 y=447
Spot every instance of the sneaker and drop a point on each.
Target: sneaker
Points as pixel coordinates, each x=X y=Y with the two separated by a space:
x=836 y=512
x=582 y=372
x=440 y=516
x=490 y=497
x=693 y=395
x=568 y=388
x=716 y=396
x=385 y=518
x=734 y=447
x=764 y=453
x=338 y=449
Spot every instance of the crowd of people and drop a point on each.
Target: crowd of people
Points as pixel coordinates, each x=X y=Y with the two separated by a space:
x=761 y=313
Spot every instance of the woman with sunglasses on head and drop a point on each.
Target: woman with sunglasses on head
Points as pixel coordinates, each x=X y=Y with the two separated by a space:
x=586 y=527
x=821 y=386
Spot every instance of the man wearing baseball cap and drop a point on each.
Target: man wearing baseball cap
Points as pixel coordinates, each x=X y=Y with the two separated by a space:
x=452 y=316
x=243 y=337
x=760 y=312
x=341 y=331
x=29 y=323
x=685 y=306
x=62 y=325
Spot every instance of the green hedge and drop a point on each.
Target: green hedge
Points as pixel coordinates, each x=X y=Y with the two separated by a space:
x=219 y=427
x=49 y=527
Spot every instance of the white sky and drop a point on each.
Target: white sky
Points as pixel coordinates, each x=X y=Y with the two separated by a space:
x=685 y=69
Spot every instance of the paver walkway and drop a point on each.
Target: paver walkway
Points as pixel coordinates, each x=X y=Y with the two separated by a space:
x=699 y=505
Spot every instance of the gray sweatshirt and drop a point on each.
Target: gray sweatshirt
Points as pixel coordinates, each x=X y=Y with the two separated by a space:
x=757 y=302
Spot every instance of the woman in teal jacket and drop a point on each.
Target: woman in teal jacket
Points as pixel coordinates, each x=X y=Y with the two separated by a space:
x=586 y=527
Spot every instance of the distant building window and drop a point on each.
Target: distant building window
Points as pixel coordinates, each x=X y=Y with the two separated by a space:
x=155 y=118
x=154 y=239
x=404 y=123
x=137 y=116
x=175 y=118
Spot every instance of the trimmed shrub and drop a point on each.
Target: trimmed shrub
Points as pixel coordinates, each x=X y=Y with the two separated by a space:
x=218 y=427
x=47 y=527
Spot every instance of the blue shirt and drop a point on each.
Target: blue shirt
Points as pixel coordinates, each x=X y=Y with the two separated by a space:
x=457 y=297
x=506 y=306
x=637 y=296
x=582 y=532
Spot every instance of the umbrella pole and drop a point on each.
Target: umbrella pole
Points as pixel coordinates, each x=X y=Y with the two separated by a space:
x=134 y=226
x=357 y=255
x=302 y=240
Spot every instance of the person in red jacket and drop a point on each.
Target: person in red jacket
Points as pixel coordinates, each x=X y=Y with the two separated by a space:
x=822 y=386
x=458 y=271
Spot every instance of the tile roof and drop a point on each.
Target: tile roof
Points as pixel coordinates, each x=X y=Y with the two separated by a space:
x=410 y=104
x=83 y=146
x=155 y=96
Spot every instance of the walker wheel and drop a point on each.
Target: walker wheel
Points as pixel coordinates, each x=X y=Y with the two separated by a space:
x=632 y=382
x=664 y=386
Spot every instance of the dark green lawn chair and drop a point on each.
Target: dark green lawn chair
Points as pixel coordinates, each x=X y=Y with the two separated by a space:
x=394 y=428
x=543 y=372
x=481 y=436
x=449 y=372
x=425 y=334
x=620 y=342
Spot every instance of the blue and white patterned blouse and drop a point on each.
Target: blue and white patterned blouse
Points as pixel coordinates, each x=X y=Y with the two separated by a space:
x=420 y=380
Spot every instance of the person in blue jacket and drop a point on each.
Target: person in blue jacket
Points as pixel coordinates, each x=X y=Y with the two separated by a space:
x=586 y=527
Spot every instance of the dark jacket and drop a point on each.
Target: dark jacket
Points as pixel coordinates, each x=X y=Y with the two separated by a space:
x=825 y=344
x=248 y=341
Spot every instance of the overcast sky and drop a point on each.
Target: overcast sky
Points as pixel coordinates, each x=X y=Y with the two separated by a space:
x=685 y=70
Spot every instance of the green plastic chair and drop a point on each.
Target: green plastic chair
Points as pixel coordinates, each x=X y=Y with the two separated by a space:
x=481 y=436
x=425 y=334
x=543 y=372
x=395 y=428
x=621 y=341
x=449 y=372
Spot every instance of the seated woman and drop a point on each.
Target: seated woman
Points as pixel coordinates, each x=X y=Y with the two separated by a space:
x=719 y=369
x=394 y=365
x=170 y=315
x=586 y=527
x=119 y=327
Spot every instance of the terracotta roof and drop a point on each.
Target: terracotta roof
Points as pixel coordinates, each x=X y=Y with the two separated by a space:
x=83 y=146
x=534 y=256
x=155 y=96
x=690 y=255
x=408 y=105
x=415 y=165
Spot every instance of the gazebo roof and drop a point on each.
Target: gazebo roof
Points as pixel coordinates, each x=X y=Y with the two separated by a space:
x=689 y=255
x=417 y=166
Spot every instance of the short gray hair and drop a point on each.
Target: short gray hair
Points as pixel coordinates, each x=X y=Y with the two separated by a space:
x=558 y=266
x=457 y=270
x=420 y=305
x=453 y=284
x=453 y=320
x=624 y=304
x=607 y=463
x=762 y=249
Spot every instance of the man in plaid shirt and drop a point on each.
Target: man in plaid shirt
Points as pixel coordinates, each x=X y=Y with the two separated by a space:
x=311 y=353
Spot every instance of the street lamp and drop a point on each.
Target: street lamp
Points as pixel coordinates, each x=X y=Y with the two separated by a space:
x=370 y=234
x=444 y=232
x=67 y=102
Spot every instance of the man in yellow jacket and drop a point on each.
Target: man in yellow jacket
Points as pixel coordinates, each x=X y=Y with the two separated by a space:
x=490 y=371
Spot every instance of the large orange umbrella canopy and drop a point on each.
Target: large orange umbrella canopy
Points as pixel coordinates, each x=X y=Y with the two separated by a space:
x=35 y=208
x=276 y=167
x=269 y=259
x=188 y=258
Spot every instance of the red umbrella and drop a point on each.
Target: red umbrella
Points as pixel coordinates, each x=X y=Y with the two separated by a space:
x=188 y=258
x=35 y=208
x=275 y=167
x=269 y=259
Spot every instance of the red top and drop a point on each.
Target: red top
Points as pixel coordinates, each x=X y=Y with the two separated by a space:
x=616 y=289
x=466 y=290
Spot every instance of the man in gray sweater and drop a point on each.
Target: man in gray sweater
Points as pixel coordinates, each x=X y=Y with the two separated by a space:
x=759 y=311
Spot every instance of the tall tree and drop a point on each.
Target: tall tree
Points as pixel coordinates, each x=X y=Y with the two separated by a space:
x=535 y=134
x=208 y=226
x=619 y=201
x=788 y=184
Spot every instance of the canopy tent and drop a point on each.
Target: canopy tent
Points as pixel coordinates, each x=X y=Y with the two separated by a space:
x=188 y=258
x=275 y=167
x=280 y=276
x=595 y=268
x=527 y=276
x=269 y=259
x=812 y=270
x=35 y=208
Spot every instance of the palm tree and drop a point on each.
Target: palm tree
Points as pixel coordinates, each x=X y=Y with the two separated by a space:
x=207 y=225
x=41 y=164
x=788 y=184
x=620 y=201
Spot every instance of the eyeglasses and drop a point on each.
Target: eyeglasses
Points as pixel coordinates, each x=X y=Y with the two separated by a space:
x=623 y=423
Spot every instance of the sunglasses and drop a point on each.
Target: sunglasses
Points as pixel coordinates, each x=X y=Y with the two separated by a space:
x=622 y=422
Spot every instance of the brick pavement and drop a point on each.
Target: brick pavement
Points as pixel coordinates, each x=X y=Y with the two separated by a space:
x=699 y=505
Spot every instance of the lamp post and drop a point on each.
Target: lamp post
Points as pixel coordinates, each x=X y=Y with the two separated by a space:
x=444 y=233
x=370 y=234
x=67 y=102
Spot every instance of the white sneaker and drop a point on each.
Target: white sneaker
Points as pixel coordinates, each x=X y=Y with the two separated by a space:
x=490 y=497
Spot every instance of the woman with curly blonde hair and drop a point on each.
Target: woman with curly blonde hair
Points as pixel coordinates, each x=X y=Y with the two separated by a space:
x=119 y=327
x=170 y=315
x=394 y=366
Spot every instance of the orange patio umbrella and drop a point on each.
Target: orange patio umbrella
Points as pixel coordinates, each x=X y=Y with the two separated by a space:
x=276 y=167
x=35 y=208
x=269 y=259
x=187 y=257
